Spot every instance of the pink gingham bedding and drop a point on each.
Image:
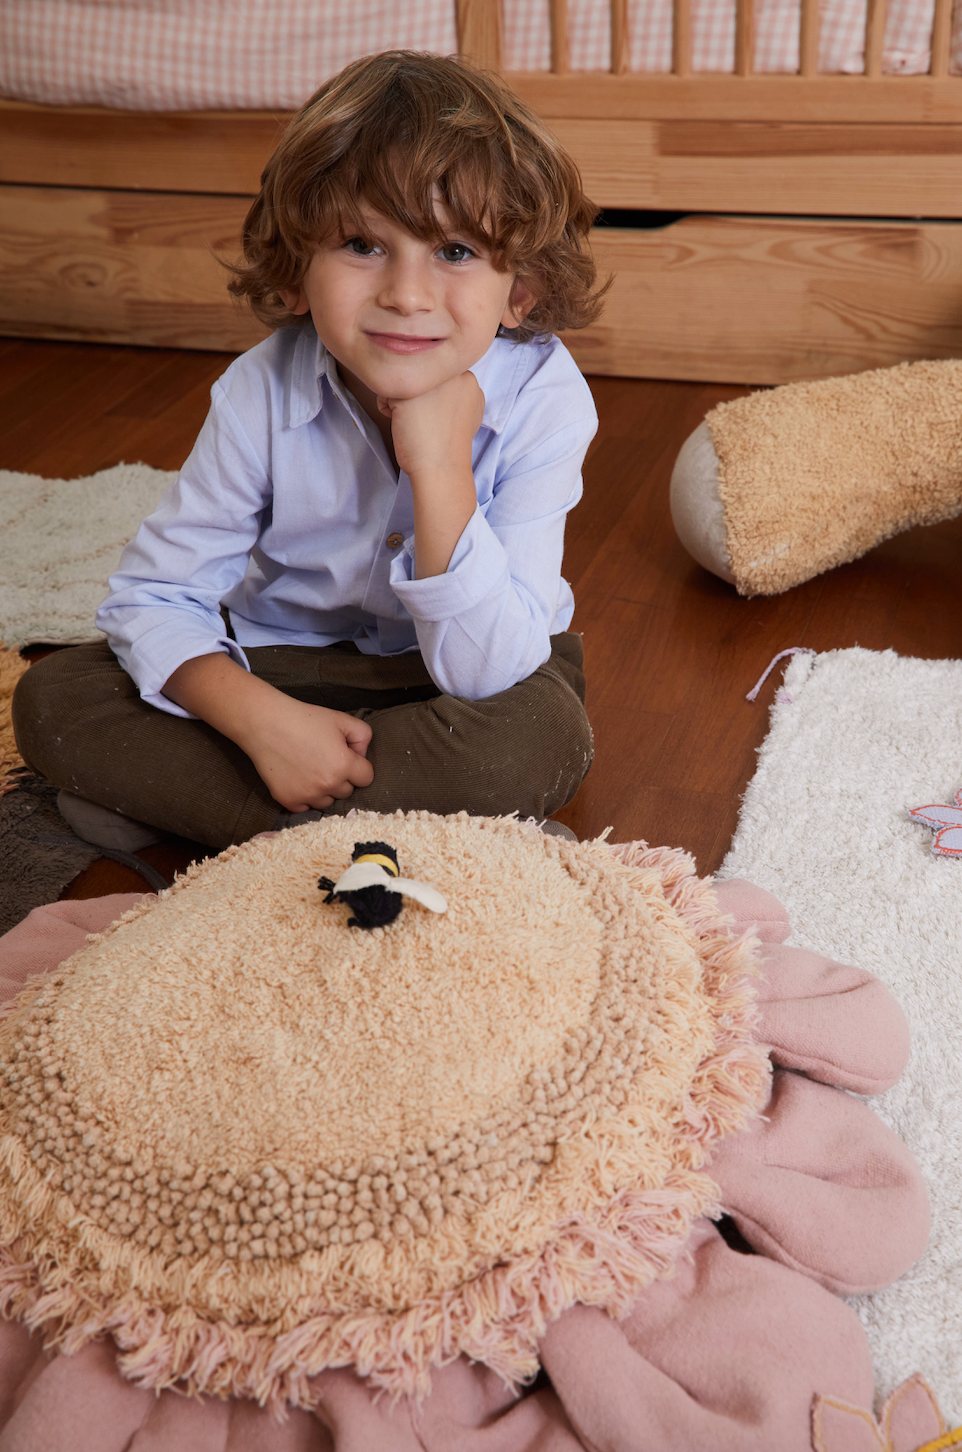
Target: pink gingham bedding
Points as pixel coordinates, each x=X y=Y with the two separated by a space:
x=172 y=55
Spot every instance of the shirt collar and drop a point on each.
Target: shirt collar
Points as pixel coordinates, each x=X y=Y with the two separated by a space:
x=312 y=364
x=308 y=369
x=496 y=373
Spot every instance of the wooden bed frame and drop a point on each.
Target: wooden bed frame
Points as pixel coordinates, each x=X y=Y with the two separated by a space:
x=818 y=231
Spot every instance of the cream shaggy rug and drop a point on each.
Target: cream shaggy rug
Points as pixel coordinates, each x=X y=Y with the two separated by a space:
x=59 y=541
x=857 y=737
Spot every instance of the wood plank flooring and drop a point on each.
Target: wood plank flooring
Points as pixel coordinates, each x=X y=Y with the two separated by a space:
x=671 y=651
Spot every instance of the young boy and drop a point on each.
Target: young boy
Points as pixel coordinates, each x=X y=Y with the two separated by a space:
x=352 y=596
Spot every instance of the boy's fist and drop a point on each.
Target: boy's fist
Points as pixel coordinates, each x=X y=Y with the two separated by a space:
x=433 y=432
x=306 y=756
x=309 y=756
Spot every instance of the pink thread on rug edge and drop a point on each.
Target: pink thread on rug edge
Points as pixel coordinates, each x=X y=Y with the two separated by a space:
x=792 y=650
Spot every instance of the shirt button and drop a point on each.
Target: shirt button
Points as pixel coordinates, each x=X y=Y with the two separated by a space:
x=395 y=541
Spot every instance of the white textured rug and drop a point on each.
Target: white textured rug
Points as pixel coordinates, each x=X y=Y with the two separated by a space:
x=856 y=738
x=59 y=541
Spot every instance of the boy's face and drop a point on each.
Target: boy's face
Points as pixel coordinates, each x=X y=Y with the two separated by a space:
x=401 y=316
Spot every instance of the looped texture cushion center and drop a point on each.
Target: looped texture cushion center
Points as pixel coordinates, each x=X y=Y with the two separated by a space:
x=252 y=1142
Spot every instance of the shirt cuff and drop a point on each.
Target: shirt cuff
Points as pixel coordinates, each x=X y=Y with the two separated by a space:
x=478 y=568
x=152 y=659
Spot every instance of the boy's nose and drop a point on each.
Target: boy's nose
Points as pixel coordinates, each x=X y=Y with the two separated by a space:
x=406 y=289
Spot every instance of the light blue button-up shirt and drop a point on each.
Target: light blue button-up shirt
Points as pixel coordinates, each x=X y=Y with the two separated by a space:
x=290 y=512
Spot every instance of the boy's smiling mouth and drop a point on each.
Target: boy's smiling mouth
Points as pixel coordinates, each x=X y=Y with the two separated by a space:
x=403 y=342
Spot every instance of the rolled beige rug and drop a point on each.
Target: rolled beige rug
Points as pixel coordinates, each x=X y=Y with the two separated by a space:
x=775 y=488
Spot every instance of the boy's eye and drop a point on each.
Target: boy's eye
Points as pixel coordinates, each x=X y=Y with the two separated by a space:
x=361 y=247
x=455 y=252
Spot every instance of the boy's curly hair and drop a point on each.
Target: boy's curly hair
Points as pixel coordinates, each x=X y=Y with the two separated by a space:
x=401 y=131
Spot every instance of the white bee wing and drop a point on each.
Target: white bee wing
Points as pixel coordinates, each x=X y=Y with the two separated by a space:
x=372 y=874
x=365 y=874
x=422 y=892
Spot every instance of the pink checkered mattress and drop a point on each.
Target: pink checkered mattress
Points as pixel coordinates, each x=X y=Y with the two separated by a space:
x=162 y=55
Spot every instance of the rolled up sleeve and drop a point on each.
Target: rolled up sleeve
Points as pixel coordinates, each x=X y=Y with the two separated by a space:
x=486 y=623
x=164 y=603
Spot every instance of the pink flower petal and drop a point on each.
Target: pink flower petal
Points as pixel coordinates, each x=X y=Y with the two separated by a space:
x=948 y=842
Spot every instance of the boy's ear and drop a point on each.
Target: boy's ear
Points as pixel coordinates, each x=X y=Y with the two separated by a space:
x=520 y=303
x=295 y=300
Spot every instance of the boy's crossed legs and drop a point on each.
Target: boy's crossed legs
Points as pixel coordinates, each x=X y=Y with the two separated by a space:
x=80 y=722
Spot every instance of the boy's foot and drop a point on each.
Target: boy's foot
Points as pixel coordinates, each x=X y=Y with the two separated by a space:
x=104 y=827
x=557 y=829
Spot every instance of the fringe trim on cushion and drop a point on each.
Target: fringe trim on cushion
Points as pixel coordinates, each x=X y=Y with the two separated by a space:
x=738 y=1072
x=73 y=1289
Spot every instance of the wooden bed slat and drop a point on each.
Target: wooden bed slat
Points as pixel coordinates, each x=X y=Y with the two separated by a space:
x=808 y=38
x=681 y=38
x=941 y=38
x=558 y=15
x=874 y=37
x=876 y=168
x=699 y=166
x=772 y=99
x=224 y=151
x=619 y=37
x=744 y=37
x=480 y=28
x=187 y=151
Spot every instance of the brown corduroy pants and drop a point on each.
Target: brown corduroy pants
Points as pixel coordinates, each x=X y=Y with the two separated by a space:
x=80 y=722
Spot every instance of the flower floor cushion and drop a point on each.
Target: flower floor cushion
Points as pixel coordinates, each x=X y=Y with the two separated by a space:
x=253 y=1142
x=736 y=1352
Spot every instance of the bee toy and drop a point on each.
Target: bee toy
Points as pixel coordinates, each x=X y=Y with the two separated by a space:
x=373 y=887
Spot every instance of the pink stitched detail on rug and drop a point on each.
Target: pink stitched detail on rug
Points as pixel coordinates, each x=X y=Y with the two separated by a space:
x=947 y=822
x=910 y=1421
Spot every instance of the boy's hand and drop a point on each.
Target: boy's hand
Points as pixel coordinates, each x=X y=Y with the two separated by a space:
x=432 y=436
x=434 y=431
x=307 y=756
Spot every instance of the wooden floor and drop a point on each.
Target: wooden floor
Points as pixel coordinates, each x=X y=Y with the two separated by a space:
x=671 y=651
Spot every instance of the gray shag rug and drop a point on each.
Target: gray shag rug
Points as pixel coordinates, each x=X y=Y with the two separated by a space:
x=40 y=855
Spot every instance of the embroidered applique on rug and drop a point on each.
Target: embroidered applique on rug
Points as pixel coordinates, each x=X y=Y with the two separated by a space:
x=60 y=539
x=856 y=739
